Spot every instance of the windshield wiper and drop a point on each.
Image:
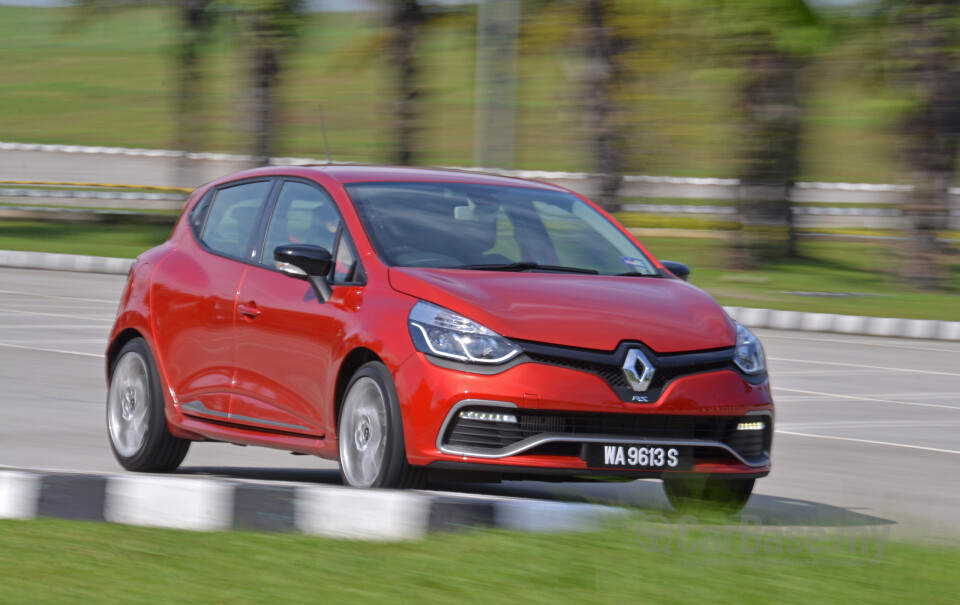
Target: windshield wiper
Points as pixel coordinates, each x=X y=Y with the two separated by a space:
x=635 y=274
x=525 y=266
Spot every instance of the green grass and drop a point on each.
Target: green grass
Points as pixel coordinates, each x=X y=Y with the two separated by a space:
x=868 y=270
x=121 y=241
x=51 y=561
x=639 y=220
x=92 y=205
x=109 y=80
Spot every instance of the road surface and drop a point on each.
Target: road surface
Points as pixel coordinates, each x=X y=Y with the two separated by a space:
x=868 y=429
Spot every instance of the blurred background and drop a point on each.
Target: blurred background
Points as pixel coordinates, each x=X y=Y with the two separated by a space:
x=799 y=154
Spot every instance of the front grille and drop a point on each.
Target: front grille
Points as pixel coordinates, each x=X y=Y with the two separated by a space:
x=485 y=435
x=609 y=366
x=664 y=375
x=613 y=374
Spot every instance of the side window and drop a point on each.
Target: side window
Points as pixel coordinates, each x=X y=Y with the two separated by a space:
x=233 y=217
x=303 y=215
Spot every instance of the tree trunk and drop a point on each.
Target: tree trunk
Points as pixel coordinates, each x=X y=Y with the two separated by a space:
x=265 y=70
x=931 y=132
x=603 y=76
x=405 y=17
x=196 y=22
x=770 y=138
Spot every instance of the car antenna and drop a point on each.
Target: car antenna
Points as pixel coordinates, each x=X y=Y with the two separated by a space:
x=323 y=132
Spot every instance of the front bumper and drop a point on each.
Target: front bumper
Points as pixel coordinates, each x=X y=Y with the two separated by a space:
x=560 y=411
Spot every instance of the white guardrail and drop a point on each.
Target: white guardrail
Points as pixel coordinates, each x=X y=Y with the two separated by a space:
x=861 y=194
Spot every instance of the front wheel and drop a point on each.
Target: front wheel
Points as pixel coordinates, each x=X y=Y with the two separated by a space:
x=370 y=433
x=136 y=422
x=725 y=495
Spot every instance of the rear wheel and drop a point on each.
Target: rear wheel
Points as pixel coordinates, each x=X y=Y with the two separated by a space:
x=370 y=433
x=725 y=495
x=136 y=422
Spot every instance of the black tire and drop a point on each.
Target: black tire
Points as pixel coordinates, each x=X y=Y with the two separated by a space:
x=155 y=450
x=724 y=495
x=394 y=471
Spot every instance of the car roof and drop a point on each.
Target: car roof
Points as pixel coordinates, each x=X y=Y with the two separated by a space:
x=366 y=173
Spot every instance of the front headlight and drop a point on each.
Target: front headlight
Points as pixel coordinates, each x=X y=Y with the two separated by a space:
x=441 y=332
x=748 y=355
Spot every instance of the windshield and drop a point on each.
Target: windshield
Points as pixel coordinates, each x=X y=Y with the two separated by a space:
x=492 y=227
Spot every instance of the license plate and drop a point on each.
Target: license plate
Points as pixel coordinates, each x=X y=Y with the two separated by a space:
x=639 y=457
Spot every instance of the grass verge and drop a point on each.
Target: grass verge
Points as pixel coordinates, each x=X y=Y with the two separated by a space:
x=848 y=278
x=52 y=561
x=121 y=241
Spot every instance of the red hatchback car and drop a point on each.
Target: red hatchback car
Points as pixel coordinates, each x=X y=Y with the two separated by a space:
x=405 y=321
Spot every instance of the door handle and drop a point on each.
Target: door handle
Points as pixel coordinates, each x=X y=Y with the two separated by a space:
x=248 y=310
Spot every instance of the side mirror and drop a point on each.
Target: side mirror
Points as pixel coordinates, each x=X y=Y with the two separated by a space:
x=678 y=269
x=309 y=263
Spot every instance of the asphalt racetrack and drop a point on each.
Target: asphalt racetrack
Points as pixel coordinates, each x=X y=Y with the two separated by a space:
x=868 y=429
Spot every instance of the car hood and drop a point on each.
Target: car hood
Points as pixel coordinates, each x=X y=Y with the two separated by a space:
x=585 y=311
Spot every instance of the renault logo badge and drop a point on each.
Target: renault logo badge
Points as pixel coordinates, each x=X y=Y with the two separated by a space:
x=638 y=370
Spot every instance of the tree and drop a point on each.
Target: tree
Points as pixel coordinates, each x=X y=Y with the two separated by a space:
x=197 y=20
x=603 y=78
x=405 y=19
x=925 y=34
x=602 y=34
x=772 y=42
x=271 y=30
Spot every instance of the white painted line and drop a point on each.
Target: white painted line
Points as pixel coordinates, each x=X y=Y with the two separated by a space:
x=871 y=442
x=35 y=295
x=797 y=426
x=98 y=355
x=19 y=494
x=56 y=342
x=856 y=365
x=468 y=496
x=55 y=306
x=362 y=514
x=821 y=373
x=48 y=326
x=172 y=502
x=541 y=516
x=921 y=395
x=859 y=342
x=873 y=399
x=84 y=317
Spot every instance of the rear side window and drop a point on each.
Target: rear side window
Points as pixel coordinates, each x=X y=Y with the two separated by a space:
x=199 y=213
x=233 y=218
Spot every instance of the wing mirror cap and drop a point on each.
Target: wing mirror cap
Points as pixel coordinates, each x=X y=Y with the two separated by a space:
x=679 y=270
x=306 y=262
x=302 y=260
